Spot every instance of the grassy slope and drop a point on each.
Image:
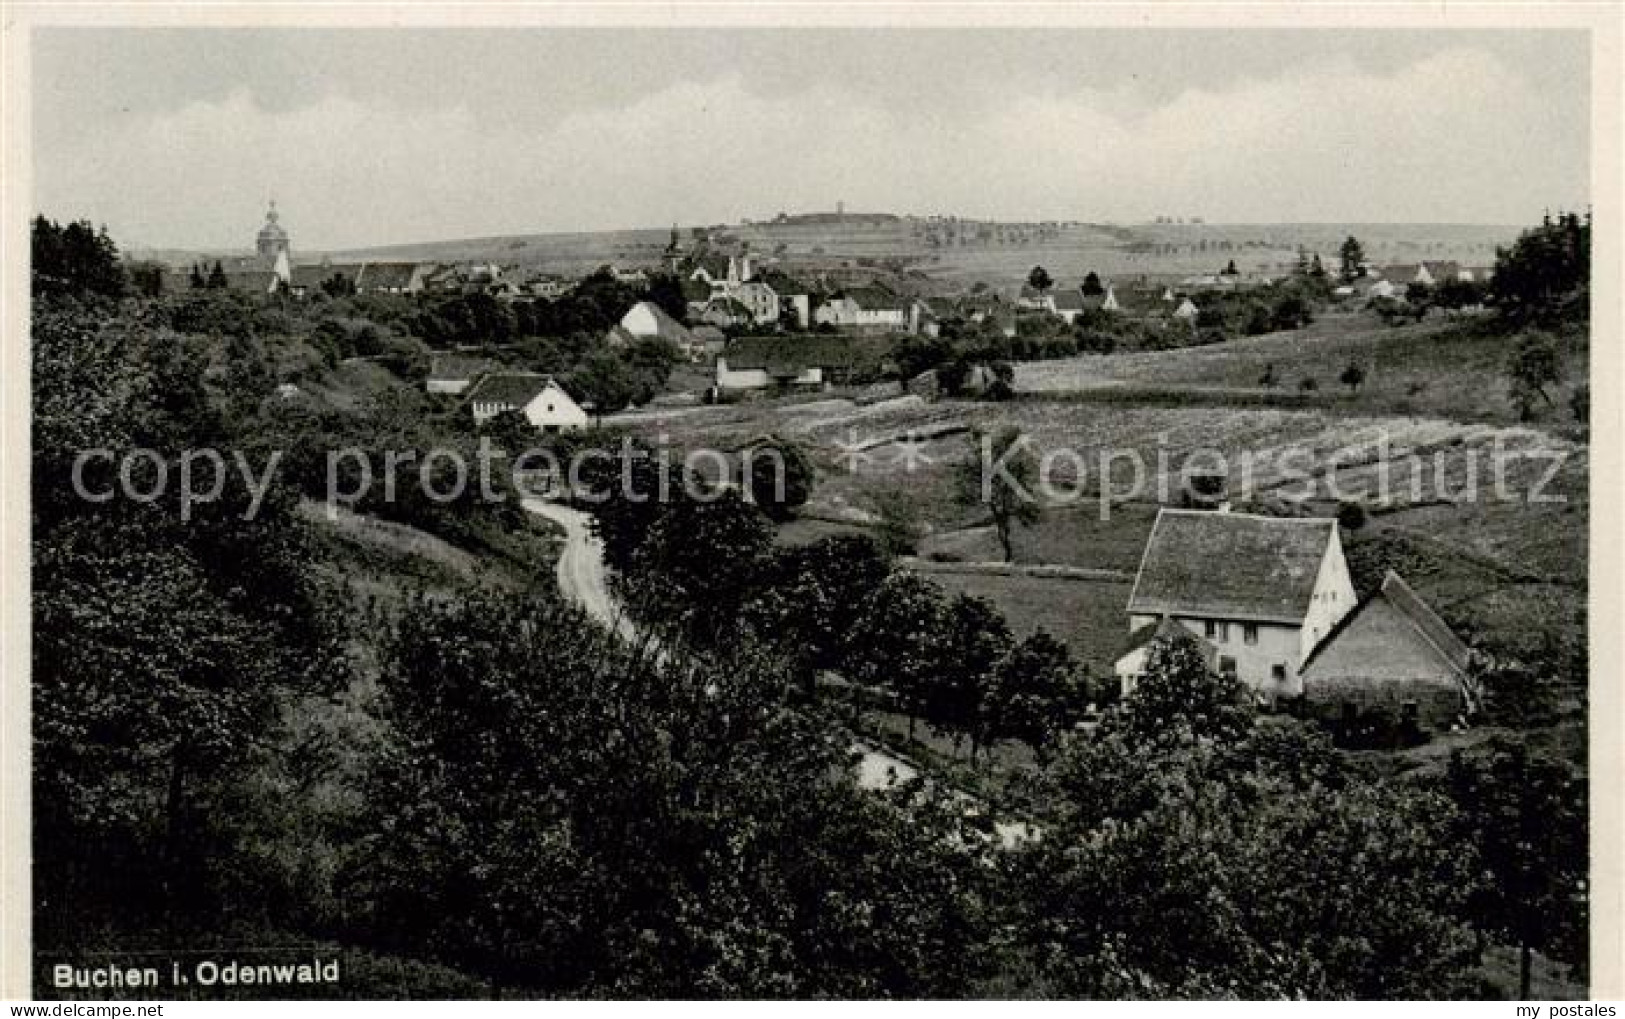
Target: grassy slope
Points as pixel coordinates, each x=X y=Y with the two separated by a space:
x=1433 y=368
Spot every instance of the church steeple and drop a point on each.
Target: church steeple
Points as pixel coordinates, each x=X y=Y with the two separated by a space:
x=272 y=240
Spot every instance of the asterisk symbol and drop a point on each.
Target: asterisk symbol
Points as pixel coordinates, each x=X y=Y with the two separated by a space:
x=854 y=452
x=911 y=454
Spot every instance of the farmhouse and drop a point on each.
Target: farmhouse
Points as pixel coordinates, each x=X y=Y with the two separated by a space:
x=1394 y=653
x=450 y=373
x=758 y=362
x=541 y=399
x=1262 y=590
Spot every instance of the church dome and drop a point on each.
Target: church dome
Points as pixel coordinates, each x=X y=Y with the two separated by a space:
x=272 y=237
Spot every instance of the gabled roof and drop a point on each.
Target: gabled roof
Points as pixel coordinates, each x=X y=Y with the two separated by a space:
x=1348 y=648
x=457 y=368
x=695 y=291
x=1231 y=566
x=1069 y=300
x=666 y=327
x=707 y=334
x=512 y=389
x=386 y=275
x=1167 y=628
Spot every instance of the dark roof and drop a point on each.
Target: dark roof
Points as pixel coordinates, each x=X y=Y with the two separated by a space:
x=1231 y=565
x=1070 y=300
x=874 y=298
x=792 y=354
x=695 y=291
x=513 y=389
x=782 y=283
x=1408 y=602
x=707 y=333
x=456 y=366
x=386 y=275
x=316 y=275
x=1163 y=629
x=1397 y=595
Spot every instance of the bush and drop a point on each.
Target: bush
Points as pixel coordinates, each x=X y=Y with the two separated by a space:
x=1308 y=385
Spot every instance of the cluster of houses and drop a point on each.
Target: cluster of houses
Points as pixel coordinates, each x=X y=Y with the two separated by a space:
x=1392 y=281
x=271 y=270
x=1270 y=601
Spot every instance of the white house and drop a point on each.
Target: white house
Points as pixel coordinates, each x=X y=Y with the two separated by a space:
x=648 y=319
x=539 y=397
x=1262 y=590
x=863 y=308
x=1186 y=312
x=761 y=299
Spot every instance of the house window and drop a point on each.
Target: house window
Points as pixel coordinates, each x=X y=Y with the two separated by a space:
x=1210 y=629
x=1278 y=673
x=1227 y=666
x=1249 y=633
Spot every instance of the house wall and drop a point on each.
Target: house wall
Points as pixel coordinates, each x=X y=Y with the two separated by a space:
x=758 y=378
x=1333 y=598
x=553 y=408
x=1276 y=644
x=1381 y=660
x=640 y=321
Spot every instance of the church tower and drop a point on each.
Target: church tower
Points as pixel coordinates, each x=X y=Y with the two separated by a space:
x=273 y=240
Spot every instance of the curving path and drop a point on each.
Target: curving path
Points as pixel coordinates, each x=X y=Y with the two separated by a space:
x=582 y=580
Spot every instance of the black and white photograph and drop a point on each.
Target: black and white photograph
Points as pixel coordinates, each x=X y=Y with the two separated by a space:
x=1053 y=503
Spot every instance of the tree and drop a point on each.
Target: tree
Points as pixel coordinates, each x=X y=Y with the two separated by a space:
x=1532 y=367
x=898 y=524
x=1180 y=693
x=809 y=599
x=1526 y=815
x=666 y=290
x=196 y=279
x=1269 y=380
x=1231 y=270
x=1352 y=258
x=976 y=639
x=1290 y=312
x=1039 y=279
x=776 y=475
x=217 y=277
x=899 y=641
x=75 y=261
x=1004 y=478
x=1545 y=277
x=1352 y=376
x=1031 y=695
x=1092 y=286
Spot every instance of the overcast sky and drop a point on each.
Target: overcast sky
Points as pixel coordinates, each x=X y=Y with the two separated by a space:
x=177 y=137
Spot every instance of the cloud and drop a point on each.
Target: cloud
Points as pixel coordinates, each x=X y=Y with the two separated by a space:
x=1458 y=136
